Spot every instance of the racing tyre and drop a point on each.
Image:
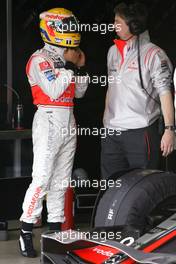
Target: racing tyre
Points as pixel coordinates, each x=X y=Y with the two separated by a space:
x=140 y=193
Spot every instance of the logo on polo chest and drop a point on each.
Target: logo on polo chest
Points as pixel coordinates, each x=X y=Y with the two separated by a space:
x=133 y=65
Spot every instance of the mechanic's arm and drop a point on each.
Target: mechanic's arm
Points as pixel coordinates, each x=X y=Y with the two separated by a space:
x=161 y=73
x=167 y=141
x=82 y=78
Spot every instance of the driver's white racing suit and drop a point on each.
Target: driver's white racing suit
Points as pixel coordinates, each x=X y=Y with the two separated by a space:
x=53 y=132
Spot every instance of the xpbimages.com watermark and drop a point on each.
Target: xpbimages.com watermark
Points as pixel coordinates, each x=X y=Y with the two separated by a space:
x=103 y=28
x=94 y=235
x=86 y=183
x=86 y=131
x=102 y=80
x=63 y=24
x=102 y=236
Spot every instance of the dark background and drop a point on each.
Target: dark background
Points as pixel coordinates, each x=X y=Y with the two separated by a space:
x=89 y=110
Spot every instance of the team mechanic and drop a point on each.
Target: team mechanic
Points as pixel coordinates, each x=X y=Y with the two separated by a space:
x=54 y=75
x=142 y=76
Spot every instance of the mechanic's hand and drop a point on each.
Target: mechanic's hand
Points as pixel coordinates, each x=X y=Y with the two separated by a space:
x=167 y=142
x=72 y=55
x=82 y=59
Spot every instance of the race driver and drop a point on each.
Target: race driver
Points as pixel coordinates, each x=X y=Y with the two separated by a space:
x=54 y=73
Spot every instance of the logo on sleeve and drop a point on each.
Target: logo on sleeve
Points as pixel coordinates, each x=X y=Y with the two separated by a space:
x=44 y=66
x=164 y=66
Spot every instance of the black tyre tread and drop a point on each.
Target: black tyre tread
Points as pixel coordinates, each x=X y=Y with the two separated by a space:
x=129 y=180
x=146 y=195
x=137 y=197
x=101 y=193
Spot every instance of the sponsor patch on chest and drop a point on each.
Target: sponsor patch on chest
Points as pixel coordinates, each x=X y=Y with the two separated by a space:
x=50 y=75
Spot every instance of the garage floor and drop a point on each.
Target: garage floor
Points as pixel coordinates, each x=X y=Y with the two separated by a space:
x=9 y=251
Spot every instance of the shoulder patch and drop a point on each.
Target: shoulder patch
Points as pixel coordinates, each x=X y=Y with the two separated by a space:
x=44 y=65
